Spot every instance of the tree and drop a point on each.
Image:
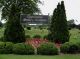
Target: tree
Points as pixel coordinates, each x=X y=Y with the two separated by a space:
x=71 y=24
x=14 y=32
x=58 y=29
x=78 y=26
x=11 y=10
x=52 y=25
x=64 y=26
x=25 y=7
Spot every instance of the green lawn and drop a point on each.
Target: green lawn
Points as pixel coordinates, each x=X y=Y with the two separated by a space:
x=77 y=56
x=75 y=33
x=33 y=32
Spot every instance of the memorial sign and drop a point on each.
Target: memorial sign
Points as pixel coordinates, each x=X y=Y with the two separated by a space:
x=34 y=19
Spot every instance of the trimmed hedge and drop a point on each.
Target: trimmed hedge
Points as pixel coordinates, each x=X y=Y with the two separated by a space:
x=28 y=36
x=28 y=28
x=45 y=37
x=69 y=48
x=36 y=36
x=78 y=44
x=23 y=49
x=6 y=47
x=2 y=39
x=47 y=49
x=2 y=47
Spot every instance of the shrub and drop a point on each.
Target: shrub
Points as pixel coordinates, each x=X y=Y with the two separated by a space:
x=36 y=36
x=6 y=47
x=40 y=27
x=2 y=39
x=2 y=46
x=28 y=36
x=47 y=49
x=29 y=28
x=49 y=37
x=45 y=37
x=78 y=44
x=21 y=48
x=69 y=28
x=29 y=49
x=69 y=48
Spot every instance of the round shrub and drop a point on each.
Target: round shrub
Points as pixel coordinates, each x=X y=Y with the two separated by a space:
x=21 y=48
x=69 y=28
x=36 y=36
x=40 y=27
x=2 y=39
x=28 y=36
x=47 y=49
x=2 y=47
x=45 y=37
x=29 y=49
x=69 y=48
x=78 y=44
x=6 y=47
x=65 y=47
x=48 y=37
x=28 y=28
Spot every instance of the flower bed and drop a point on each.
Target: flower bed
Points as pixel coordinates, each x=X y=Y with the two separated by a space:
x=35 y=42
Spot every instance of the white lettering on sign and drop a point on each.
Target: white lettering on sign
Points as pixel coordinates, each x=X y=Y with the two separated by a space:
x=35 y=17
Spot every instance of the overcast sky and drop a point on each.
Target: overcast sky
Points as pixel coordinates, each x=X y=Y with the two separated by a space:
x=72 y=8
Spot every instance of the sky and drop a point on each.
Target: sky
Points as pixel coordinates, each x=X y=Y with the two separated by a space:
x=72 y=8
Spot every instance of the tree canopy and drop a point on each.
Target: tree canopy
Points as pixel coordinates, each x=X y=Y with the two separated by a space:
x=25 y=6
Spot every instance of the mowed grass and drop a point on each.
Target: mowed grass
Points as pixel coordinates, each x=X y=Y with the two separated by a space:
x=74 y=33
x=76 y=56
x=37 y=31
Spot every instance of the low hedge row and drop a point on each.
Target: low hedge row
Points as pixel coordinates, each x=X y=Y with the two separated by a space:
x=25 y=49
x=47 y=49
x=6 y=48
x=70 y=48
x=36 y=36
x=19 y=48
x=43 y=49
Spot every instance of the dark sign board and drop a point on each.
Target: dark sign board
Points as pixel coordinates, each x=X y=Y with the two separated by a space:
x=34 y=19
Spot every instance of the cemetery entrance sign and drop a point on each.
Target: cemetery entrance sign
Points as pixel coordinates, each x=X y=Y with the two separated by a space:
x=34 y=19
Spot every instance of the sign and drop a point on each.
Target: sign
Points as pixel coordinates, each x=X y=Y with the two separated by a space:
x=34 y=19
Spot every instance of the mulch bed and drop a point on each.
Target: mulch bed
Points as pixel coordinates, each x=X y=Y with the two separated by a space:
x=35 y=42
